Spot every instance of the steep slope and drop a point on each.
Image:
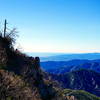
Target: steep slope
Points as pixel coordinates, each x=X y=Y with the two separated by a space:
x=80 y=80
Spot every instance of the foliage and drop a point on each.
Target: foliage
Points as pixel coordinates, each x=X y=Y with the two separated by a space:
x=80 y=94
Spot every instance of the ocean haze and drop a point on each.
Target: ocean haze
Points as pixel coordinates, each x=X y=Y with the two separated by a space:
x=42 y=54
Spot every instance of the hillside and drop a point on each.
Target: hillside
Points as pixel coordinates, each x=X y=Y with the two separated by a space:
x=80 y=80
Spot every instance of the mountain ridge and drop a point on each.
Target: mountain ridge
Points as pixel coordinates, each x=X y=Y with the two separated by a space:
x=67 y=57
x=58 y=67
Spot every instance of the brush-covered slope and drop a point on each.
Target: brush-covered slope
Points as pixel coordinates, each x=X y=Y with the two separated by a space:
x=12 y=87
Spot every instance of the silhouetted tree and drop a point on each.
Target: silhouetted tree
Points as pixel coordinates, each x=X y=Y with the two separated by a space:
x=9 y=35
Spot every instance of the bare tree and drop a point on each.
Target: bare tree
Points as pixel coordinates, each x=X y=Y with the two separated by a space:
x=9 y=35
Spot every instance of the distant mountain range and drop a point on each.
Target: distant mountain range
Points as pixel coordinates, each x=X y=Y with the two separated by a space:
x=60 y=67
x=67 y=57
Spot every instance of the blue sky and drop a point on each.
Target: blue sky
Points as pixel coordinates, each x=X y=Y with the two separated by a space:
x=54 y=25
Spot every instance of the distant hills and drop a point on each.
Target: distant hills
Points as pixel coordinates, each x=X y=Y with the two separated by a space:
x=67 y=57
x=60 y=67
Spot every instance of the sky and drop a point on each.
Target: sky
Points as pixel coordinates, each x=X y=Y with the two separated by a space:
x=66 y=26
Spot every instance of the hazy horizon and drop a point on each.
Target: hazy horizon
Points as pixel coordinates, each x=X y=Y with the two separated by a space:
x=48 y=54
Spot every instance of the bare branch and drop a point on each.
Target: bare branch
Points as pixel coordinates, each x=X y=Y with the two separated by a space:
x=5 y=27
